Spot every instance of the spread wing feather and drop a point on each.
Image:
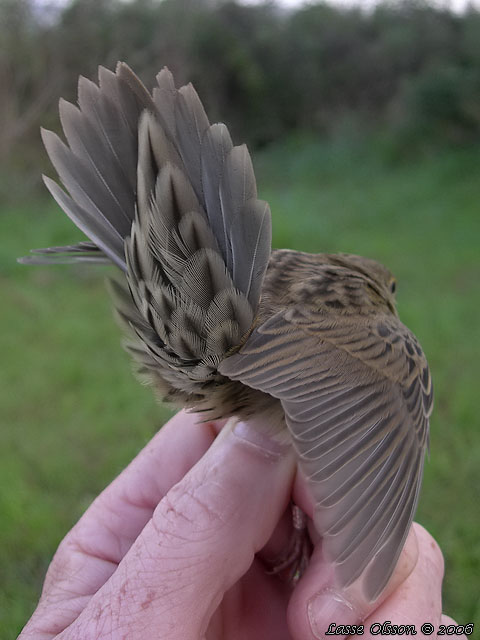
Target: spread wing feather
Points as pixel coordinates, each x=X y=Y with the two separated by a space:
x=82 y=252
x=92 y=223
x=170 y=200
x=173 y=254
x=99 y=166
x=216 y=145
x=359 y=430
x=191 y=123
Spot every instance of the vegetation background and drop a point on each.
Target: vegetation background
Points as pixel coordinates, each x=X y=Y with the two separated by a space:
x=365 y=132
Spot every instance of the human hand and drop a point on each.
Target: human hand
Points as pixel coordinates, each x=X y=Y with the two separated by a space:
x=175 y=548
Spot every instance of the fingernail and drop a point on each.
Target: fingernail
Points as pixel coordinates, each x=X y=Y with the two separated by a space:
x=257 y=435
x=329 y=610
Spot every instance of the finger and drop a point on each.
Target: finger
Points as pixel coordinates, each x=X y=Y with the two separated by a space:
x=317 y=603
x=201 y=540
x=279 y=545
x=278 y=541
x=447 y=621
x=91 y=551
x=418 y=600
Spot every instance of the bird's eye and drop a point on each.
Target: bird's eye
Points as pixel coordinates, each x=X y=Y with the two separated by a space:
x=393 y=286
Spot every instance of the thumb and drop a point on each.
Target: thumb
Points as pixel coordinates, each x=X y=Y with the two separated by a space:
x=201 y=539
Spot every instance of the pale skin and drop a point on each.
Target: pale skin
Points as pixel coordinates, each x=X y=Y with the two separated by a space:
x=177 y=548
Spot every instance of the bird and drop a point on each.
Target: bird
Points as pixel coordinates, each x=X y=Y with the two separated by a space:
x=219 y=323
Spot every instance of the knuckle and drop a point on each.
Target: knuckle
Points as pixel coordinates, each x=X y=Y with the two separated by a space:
x=60 y=568
x=430 y=550
x=199 y=510
x=409 y=556
x=68 y=564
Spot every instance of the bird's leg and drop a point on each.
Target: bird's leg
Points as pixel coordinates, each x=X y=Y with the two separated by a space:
x=296 y=556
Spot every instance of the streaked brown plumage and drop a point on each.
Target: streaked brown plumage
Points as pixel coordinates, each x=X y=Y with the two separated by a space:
x=222 y=325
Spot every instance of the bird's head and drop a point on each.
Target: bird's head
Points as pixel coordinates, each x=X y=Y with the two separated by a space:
x=376 y=276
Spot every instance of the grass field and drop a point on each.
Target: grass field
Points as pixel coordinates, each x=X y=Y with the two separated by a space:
x=73 y=416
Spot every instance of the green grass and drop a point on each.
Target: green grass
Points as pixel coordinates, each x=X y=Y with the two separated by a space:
x=73 y=415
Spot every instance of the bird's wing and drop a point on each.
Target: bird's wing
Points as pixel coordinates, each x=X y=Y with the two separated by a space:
x=357 y=398
x=169 y=199
x=86 y=252
x=198 y=251
x=111 y=165
x=98 y=165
